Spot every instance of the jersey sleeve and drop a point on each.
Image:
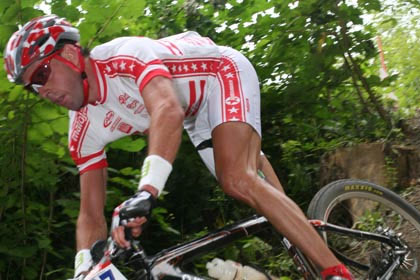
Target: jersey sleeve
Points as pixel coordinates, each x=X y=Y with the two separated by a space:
x=85 y=150
x=145 y=53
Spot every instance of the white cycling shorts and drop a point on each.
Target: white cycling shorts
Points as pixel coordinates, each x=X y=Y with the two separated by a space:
x=234 y=96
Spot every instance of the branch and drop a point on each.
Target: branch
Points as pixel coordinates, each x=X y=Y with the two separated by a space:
x=50 y=217
x=359 y=74
x=372 y=96
x=108 y=21
x=356 y=86
x=23 y=174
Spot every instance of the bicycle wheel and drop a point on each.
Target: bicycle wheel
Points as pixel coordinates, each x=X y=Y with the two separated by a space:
x=368 y=207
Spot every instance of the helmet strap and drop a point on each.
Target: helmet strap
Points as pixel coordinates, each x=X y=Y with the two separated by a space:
x=84 y=79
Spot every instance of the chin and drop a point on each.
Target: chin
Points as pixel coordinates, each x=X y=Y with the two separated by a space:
x=72 y=107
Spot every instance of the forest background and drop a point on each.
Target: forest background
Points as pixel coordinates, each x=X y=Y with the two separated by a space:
x=323 y=84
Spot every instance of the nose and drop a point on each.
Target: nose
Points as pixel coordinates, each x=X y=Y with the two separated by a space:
x=47 y=94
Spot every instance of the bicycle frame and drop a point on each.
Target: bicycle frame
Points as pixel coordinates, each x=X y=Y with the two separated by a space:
x=164 y=263
x=167 y=263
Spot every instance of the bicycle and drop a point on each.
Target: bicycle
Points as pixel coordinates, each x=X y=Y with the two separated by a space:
x=380 y=241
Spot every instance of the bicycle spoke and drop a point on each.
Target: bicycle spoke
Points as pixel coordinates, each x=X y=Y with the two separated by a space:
x=367 y=215
x=367 y=207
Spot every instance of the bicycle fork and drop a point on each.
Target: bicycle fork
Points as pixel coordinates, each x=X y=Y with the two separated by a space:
x=303 y=265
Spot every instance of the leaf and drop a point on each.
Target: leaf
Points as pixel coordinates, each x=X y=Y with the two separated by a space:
x=60 y=125
x=157 y=215
x=29 y=13
x=130 y=171
x=53 y=148
x=87 y=31
x=374 y=80
x=5 y=32
x=132 y=8
x=3 y=6
x=128 y=144
x=44 y=243
x=10 y=15
x=21 y=252
x=15 y=93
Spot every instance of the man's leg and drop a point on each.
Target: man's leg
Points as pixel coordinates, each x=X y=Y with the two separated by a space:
x=270 y=175
x=237 y=155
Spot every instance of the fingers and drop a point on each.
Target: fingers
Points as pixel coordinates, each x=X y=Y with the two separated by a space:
x=118 y=234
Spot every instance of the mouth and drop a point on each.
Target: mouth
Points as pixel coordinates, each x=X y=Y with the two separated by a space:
x=61 y=100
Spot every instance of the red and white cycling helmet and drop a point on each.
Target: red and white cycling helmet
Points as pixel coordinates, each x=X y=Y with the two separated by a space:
x=35 y=40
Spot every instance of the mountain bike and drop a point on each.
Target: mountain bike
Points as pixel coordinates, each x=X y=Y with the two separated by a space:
x=372 y=230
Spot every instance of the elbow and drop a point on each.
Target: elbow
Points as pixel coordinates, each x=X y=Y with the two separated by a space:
x=178 y=115
x=173 y=113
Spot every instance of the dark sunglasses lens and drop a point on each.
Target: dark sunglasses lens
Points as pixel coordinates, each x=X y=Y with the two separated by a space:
x=40 y=76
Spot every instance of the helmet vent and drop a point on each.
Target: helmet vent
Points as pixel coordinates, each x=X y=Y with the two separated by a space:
x=49 y=23
x=42 y=39
x=39 y=42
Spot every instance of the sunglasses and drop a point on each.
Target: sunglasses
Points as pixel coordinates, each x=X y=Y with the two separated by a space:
x=41 y=75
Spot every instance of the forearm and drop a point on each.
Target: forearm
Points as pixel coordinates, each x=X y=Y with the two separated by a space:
x=165 y=130
x=91 y=223
x=165 y=133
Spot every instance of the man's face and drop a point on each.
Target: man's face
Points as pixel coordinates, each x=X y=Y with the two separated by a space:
x=63 y=85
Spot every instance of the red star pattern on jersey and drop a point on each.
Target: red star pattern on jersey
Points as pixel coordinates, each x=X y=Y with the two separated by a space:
x=122 y=66
x=131 y=67
x=232 y=101
x=191 y=67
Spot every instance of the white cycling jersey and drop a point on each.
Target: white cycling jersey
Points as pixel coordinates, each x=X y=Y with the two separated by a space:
x=198 y=68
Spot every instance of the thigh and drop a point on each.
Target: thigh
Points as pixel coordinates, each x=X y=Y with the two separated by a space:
x=233 y=105
x=236 y=148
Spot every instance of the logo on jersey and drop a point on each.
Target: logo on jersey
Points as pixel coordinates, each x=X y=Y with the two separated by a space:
x=117 y=123
x=79 y=125
x=108 y=118
x=125 y=127
x=131 y=103
x=78 y=130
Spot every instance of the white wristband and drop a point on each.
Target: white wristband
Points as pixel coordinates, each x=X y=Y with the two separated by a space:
x=155 y=171
x=82 y=262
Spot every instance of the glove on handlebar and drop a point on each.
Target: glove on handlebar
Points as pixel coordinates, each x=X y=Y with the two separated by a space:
x=139 y=205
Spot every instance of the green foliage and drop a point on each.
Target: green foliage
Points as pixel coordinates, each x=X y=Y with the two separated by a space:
x=316 y=61
x=402 y=59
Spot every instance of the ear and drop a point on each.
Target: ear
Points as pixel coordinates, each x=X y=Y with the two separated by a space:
x=71 y=53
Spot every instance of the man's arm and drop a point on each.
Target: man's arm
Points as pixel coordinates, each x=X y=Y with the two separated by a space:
x=166 y=118
x=91 y=224
x=165 y=130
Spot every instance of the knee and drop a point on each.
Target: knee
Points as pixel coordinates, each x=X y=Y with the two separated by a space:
x=239 y=185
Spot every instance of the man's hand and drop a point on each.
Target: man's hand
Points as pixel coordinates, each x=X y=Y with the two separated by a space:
x=132 y=214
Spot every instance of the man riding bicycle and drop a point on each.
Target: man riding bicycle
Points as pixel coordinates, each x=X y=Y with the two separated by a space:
x=156 y=87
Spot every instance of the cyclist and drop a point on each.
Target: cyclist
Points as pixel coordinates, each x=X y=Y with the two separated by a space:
x=140 y=85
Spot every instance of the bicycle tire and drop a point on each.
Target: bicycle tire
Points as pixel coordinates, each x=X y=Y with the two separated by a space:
x=336 y=196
